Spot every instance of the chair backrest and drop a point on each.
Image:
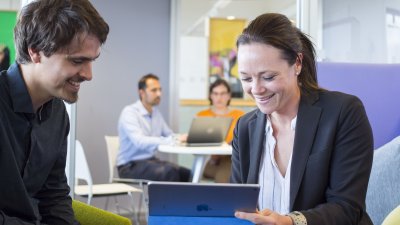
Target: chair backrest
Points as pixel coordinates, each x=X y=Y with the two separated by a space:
x=383 y=193
x=81 y=166
x=377 y=85
x=112 y=152
x=89 y=215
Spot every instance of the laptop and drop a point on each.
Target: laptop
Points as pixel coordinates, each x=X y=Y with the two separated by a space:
x=208 y=131
x=176 y=199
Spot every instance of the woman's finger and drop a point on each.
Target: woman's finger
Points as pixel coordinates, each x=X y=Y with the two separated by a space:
x=255 y=218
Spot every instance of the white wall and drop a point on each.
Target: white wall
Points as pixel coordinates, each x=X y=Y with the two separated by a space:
x=138 y=43
x=193 y=68
x=10 y=5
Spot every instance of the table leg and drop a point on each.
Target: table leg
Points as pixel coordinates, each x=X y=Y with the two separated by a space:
x=198 y=165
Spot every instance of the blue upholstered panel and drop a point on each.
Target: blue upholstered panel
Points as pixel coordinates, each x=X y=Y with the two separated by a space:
x=378 y=87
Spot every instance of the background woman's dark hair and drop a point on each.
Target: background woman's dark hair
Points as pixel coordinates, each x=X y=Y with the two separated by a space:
x=51 y=25
x=6 y=60
x=276 y=30
x=218 y=82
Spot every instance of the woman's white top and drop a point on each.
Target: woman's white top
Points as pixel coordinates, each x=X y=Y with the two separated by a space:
x=275 y=188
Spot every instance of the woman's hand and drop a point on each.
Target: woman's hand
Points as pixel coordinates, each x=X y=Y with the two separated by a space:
x=265 y=217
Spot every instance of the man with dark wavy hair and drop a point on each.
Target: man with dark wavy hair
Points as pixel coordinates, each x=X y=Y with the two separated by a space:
x=56 y=43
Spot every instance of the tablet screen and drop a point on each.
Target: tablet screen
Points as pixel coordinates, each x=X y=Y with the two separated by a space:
x=201 y=199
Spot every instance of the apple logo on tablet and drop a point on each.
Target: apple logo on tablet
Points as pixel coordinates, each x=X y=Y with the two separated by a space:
x=203 y=207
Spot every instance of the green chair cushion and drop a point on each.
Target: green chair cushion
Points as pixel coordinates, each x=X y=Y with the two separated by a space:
x=89 y=215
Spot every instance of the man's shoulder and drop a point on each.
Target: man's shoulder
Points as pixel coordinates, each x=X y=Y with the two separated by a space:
x=131 y=108
x=130 y=113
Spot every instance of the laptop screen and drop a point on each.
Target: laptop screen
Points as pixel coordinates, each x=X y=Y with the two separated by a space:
x=208 y=130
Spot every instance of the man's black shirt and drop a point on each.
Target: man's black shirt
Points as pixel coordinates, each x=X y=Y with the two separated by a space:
x=33 y=149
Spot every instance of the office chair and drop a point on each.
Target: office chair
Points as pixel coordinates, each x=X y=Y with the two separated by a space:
x=91 y=190
x=384 y=183
x=112 y=143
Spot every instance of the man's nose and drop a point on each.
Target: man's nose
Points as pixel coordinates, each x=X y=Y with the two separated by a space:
x=86 y=71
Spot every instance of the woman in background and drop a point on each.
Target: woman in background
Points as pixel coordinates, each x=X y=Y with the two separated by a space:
x=4 y=57
x=219 y=166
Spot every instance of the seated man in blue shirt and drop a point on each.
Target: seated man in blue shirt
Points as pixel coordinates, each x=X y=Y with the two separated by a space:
x=56 y=42
x=141 y=129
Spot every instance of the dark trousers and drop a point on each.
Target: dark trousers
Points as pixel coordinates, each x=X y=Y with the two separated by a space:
x=219 y=171
x=154 y=169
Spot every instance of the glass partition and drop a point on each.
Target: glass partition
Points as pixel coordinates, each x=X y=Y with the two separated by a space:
x=206 y=33
x=354 y=31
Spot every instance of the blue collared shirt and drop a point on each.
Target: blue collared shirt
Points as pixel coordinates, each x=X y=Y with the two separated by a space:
x=140 y=133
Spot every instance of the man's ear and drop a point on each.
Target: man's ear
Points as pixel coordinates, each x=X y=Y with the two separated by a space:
x=34 y=54
x=141 y=92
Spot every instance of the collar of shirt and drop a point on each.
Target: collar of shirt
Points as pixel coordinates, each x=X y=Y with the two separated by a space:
x=19 y=93
x=21 y=100
x=268 y=127
x=271 y=141
x=141 y=109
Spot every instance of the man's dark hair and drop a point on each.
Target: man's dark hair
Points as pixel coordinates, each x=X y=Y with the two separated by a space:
x=143 y=80
x=51 y=25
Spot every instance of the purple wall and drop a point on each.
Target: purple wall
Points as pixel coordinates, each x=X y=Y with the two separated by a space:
x=378 y=87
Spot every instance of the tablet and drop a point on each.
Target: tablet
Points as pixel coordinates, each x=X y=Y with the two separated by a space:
x=201 y=199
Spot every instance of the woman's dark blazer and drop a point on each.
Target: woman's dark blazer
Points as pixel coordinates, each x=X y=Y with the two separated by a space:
x=331 y=160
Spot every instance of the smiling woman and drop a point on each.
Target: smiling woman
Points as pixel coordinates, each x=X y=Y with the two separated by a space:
x=269 y=79
x=297 y=121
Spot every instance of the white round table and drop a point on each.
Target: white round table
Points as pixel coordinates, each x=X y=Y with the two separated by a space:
x=200 y=155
